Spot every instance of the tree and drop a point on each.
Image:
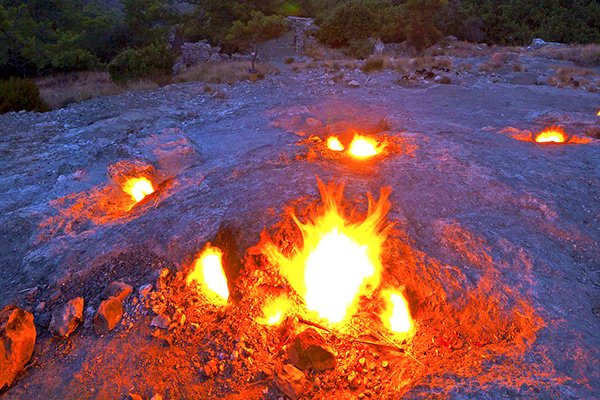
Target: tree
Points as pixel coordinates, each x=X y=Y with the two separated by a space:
x=420 y=16
x=260 y=28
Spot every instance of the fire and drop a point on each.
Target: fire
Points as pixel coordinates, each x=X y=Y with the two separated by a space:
x=339 y=260
x=208 y=271
x=364 y=147
x=274 y=310
x=397 y=315
x=552 y=135
x=333 y=143
x=138 y=188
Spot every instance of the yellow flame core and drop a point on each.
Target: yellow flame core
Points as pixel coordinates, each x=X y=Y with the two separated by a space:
x=138 y=188
x=364 y=147
x=338 y=260
x=552 y=135
x=397 y=316
x=333 y=143
x=274 y=310
x=208 y=271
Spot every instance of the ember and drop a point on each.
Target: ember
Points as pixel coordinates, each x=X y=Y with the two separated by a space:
x=333 y=143
x=208 y=272
x=552 y=135
x=138 y=188
x=397 y=316
x=364 y=147
x=339 y=260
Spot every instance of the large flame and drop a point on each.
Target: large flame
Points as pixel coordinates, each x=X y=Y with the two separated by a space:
x=208 y=272
x=364 y=147
x=333 y=143
x=138 y=188
x=552 y=135
x=339 y=260
x=397 y=314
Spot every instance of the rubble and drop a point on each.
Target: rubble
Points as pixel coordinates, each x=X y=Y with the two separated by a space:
x=67 y=318
x=17 y=340
x=161 y=321
x=309 y=350
x=108 y=316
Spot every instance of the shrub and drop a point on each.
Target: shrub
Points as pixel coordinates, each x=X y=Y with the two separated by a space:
x=372 y=64
x=226 y=72
x=360 y=48
x=153 y=62
x=20 y=94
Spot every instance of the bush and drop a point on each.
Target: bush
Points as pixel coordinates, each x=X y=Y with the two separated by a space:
x=20 y=94
x=373 y=64
x=152 y=62
x=361 y=48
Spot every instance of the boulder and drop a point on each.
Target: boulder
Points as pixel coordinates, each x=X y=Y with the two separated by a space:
x=291 y=381
x=67 y=318
x=118 y=289
x=537 y=43
x=353 y=84
x=17 y=339
x=108 y=316
x=309 y=350
x=161 y=321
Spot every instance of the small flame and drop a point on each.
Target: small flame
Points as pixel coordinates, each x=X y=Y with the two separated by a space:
x=138 y=188
x=333 y=143
x=397 y=315
x=364 y=147
x=208 y=271
x=339 y=260
x=274 y=310
x=552 y=135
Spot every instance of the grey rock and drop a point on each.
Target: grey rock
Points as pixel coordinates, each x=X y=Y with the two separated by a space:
x=67 y=318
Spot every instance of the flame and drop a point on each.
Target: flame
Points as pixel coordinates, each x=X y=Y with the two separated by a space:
x=138 y=188
x=274 y=310
x=397 y=315
x=334 y=144
x=208 y=271
x=552 y=135
x=339 y=260
x=364 y=147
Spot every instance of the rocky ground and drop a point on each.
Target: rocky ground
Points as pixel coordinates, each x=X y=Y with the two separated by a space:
x=496 y=239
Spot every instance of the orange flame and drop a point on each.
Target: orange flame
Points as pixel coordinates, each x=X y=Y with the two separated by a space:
x=339 y=260
x=397 y=314
x=364 y=147
x=333 y=143
x=138 y=188
x=208 y=272
x=552 y=135
x=275 y=310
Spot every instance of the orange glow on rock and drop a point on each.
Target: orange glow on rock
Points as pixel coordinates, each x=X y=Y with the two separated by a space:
x=364 y=147
x=138 y=188
x=209 y=273
x=396 y=316
x=339 y=260
x=552 y=135
x=333 y=143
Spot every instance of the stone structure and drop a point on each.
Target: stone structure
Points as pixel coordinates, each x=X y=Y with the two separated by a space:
x=303 y=29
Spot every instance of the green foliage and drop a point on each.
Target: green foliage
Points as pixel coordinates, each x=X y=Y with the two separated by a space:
x=258 y=29
x=20 y=94
x=517 y=23
x=55 y=34
x=149 y=21
x=153 y=61
x=420 y=15
x=358 y=20
x=361 y=48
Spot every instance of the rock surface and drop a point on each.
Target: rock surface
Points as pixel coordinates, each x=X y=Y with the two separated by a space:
x=291 y=381
x=17 y=340
x=119 y=289
x=108 y=316
x=309 y=350
x=67 y=318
